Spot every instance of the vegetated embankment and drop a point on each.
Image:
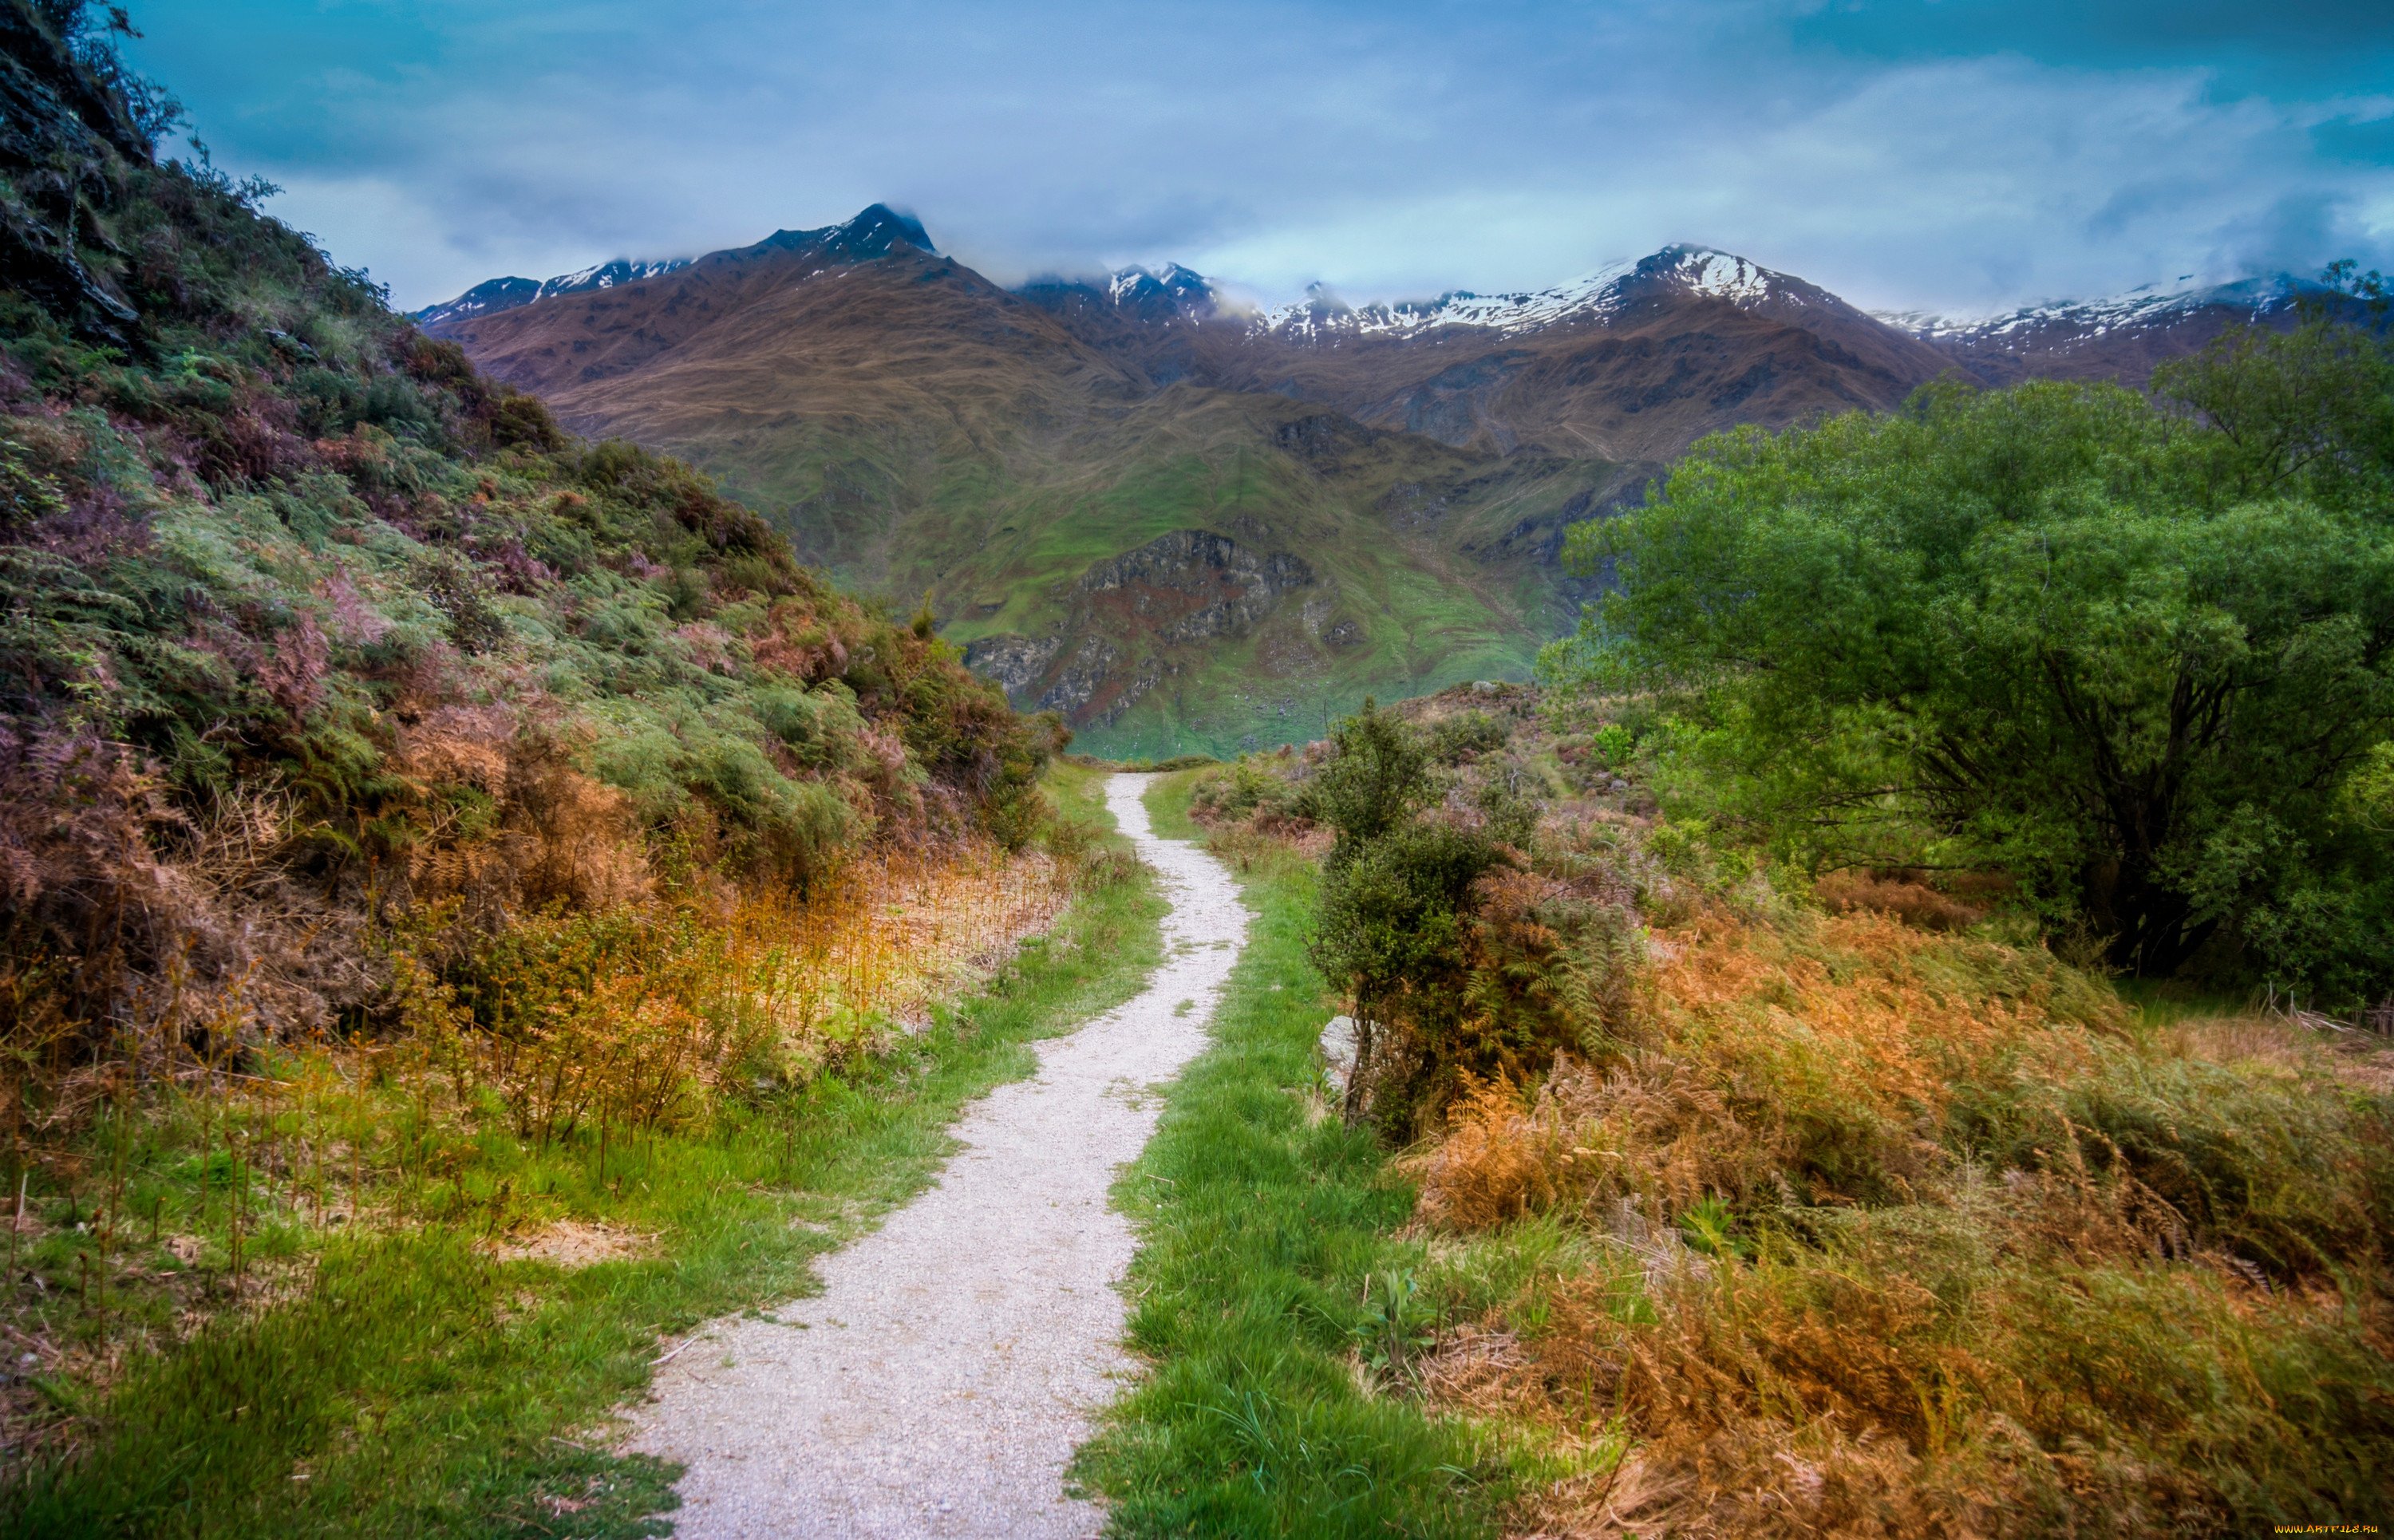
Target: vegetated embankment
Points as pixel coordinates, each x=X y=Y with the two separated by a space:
x=436 y=854
x=1678 y=1196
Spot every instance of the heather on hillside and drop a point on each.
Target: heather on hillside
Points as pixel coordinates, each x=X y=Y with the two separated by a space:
x=308 y=627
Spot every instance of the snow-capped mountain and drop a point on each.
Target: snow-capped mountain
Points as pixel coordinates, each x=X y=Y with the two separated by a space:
x=1174 y=293
x=869 y=235
x=2147 y=305
x=1322 y=312
x=1679 y=272
x=1629 y=363
x=2121 y=337
x=506 y=294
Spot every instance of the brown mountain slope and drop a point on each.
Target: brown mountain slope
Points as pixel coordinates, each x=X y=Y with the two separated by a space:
x=1166 y=566
x=1636 y=370
x=1181 y=524
x=816 y=323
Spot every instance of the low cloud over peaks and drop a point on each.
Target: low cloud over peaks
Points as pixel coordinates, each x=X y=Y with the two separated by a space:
x=1962 y=156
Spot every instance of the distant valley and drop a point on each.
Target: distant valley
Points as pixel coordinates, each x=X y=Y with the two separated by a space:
x=1187 y=525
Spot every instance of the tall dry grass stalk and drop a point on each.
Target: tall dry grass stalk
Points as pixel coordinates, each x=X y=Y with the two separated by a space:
x=1898 y=1233
x=591 y=1031
x=636 y=1016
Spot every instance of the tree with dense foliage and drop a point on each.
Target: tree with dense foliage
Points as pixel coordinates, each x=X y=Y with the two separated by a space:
x=2135 y=652
x=1392 y=928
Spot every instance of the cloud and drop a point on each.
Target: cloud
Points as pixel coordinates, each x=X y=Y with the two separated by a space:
x=1958 y=155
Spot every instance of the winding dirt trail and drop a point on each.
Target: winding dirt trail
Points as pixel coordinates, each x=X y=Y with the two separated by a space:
x=953 y=1360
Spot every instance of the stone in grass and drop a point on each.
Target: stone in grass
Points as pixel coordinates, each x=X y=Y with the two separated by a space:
x=1338 y=1049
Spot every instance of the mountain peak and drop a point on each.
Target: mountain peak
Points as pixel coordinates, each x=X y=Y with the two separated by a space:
x=876 y=232
x=1171 y=292
x=1679 y=269
x=506 y=294
x=879 y=225
x=1718 y=274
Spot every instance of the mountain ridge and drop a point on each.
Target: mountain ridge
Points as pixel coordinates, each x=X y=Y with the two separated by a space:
x=1010 y=454
x=1179 y=293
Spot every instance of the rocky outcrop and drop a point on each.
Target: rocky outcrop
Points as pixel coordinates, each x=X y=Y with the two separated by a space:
x=1194 y=585
x=64 y=138
x=1015 y=662
x=1091 y=666
x=1181 y=589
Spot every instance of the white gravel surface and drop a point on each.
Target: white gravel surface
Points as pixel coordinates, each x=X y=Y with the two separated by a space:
x=953 y=1360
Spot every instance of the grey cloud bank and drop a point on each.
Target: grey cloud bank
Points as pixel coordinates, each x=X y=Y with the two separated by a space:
x=1961 y=157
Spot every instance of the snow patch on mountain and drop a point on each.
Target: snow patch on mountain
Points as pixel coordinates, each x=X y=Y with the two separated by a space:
x=1163 y=292
x=1722 y=276
x=508 y=294
x=875 y=232
x=2147 y=305
x=1592 y=298
x=606 y=275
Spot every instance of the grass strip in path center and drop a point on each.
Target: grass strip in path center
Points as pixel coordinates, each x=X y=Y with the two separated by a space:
x=1270 y=1289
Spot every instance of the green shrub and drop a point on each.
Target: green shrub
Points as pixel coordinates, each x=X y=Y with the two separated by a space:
x=2133 y=653
x=1248 y=788
x=1466 y=735
x=1392 y=925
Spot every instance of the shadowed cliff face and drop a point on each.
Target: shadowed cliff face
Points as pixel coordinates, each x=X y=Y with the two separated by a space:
x=1193 y=585
x=1132 y=619
x=62 y=132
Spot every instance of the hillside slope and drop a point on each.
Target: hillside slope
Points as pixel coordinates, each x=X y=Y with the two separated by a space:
x=305 y=624
x=1168 y=565
x=1183 y=524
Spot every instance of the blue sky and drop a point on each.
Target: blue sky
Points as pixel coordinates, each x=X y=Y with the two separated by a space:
x=1959 y=155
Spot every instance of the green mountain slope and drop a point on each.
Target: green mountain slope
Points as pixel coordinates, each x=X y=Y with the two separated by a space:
x=1169 y=567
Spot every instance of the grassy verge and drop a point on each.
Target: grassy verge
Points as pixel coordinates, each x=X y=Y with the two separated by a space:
x=1271 y=1294
x=418 y=1382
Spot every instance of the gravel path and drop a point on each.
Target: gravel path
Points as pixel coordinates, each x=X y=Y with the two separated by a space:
x=950 y=1366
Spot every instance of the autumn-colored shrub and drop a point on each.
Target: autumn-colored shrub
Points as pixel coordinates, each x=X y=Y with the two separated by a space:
x=1930 y=1370
x=1497 y=1162
x=1905 y=898
x=1923 y=1239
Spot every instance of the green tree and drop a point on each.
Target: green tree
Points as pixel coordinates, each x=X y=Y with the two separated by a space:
x=1377 y=778
x=1391 y=931
x=2134 y=651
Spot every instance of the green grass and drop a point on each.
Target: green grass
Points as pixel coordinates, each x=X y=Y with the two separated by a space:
x=1268 y=1275
x=419 y=1386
